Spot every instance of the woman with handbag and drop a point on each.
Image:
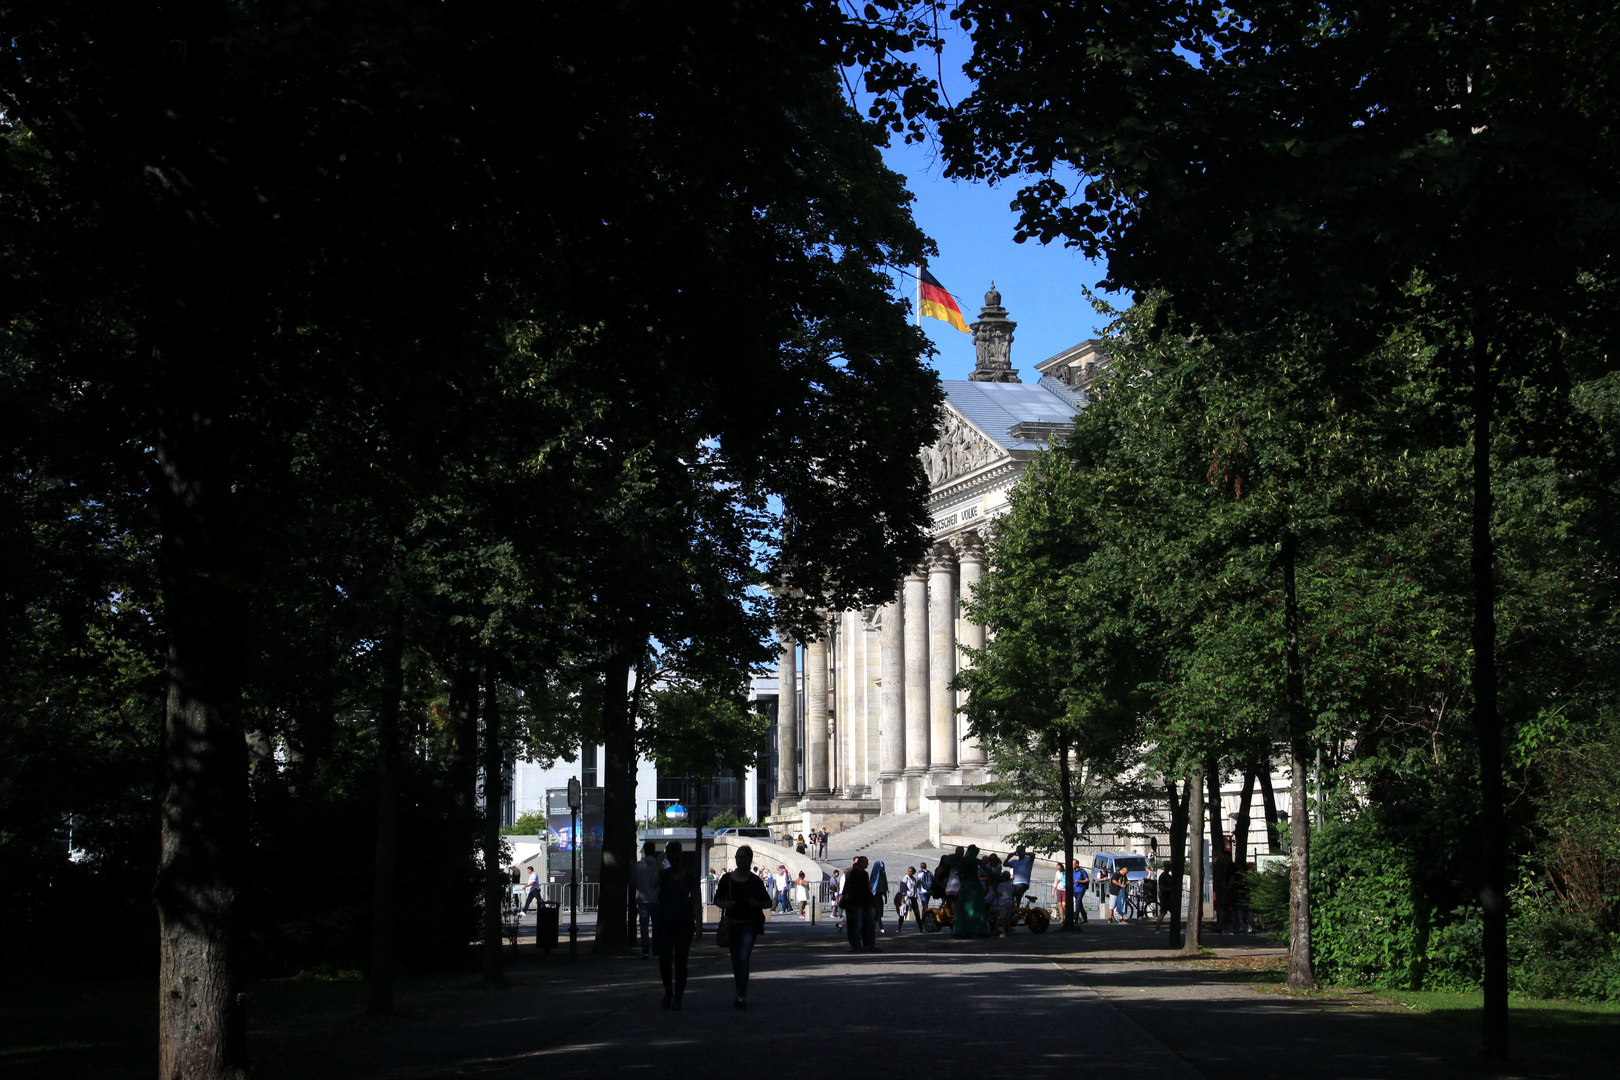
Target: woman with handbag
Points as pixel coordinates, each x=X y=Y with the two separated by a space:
x=743 y=901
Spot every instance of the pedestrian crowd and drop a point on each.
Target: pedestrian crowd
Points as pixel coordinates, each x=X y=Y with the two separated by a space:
x=975 y=893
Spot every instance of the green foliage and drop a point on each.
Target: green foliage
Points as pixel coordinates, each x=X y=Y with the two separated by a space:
x=1374 y=922
x=435 y=291
x=694 y=732
x=727 y=819
x=1268 y=899
x=527 y=824
x=1556 y=954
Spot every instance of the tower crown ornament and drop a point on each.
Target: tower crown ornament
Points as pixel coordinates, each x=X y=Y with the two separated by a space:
x=992 y=342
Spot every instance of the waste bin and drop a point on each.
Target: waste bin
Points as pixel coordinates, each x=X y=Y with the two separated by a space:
x=546 y=918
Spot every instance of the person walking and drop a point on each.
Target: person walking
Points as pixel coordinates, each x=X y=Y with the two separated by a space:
x=1082 y=882
x=925 y=886
x=534 y=890
x=646 y=876
x=784 y=890
x=880 y=894
x=741 y=896
x=1117 y=884
x=821 y=843
x=1168 y=890
x=677 y=920
x=1060 y=889
x=905 y=900
x=801 y=893
x=856 y=903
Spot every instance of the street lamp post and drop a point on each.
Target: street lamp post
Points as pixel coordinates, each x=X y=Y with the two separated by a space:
x=573 y=868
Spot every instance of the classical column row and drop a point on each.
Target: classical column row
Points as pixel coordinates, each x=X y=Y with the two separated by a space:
x=787 y=724
x=889 y=705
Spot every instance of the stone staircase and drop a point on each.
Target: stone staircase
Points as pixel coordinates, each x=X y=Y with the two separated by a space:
x=885 y=833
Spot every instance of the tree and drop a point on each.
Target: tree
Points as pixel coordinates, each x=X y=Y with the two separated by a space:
x=1273 y=159
x=291 y=209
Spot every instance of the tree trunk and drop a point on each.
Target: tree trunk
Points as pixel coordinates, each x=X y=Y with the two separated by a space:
x=1178 y=853
x=201 y=1021
x=1220 y=865
x=464 y=736
x=1488 y=721
x=1240 y=821
x=494 y=795
x=380 y=980
x=1301 y=975
x=618 y=806
x=1195 y=863
x=1066 y=795
x=1268 y=800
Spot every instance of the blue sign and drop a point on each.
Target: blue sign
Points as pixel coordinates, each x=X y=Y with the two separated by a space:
x=675 y=812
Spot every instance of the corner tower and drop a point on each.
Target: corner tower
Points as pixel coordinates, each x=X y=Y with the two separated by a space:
x=992 y=341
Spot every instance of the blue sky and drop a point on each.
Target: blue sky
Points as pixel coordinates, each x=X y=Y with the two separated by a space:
x=1041 y=286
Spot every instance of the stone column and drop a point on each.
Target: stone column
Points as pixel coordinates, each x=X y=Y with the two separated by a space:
x=970 y=559
x=849 y=704
x=941 y=661
x=816 y=784
x=892 y=706
x=787 y=725
x=915 y=619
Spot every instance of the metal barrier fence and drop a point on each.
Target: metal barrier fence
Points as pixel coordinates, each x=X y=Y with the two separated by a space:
x=556 y=892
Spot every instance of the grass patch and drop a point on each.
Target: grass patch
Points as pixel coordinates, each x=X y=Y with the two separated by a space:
x=1544 y=1031
x=1544 y=1036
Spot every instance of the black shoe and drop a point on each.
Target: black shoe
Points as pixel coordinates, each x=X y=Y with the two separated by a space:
x=668 y=998
x=741 y=1003
x=677 y=1005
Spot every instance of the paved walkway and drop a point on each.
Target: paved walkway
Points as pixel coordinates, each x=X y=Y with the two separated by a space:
x=1026 y=1006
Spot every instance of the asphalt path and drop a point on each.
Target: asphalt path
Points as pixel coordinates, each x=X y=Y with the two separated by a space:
x=955 y=1009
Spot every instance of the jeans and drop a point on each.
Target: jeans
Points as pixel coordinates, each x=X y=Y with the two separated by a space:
x=784 y=899
x=674 y=946
x=534 y=895
x=644 y=916
x=744 y=933
x=861 y=925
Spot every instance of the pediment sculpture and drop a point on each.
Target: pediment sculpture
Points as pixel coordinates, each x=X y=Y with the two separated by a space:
x=959 y=451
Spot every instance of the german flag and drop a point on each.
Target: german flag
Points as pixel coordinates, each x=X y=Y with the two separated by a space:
x=936 y=303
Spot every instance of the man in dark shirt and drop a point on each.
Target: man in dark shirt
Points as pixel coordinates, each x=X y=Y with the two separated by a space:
x=856 y=900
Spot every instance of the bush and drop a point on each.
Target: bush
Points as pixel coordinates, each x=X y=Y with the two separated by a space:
x=531 y=824
x=1555 y=954
x=1268 y=899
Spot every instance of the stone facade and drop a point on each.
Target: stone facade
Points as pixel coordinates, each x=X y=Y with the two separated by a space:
x=882 y=734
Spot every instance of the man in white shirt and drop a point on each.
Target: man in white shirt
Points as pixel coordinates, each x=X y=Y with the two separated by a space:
x=646 y=893
x=534 y=890
x=783 y=898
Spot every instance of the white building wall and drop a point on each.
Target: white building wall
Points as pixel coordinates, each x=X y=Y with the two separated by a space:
x=532 y=778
